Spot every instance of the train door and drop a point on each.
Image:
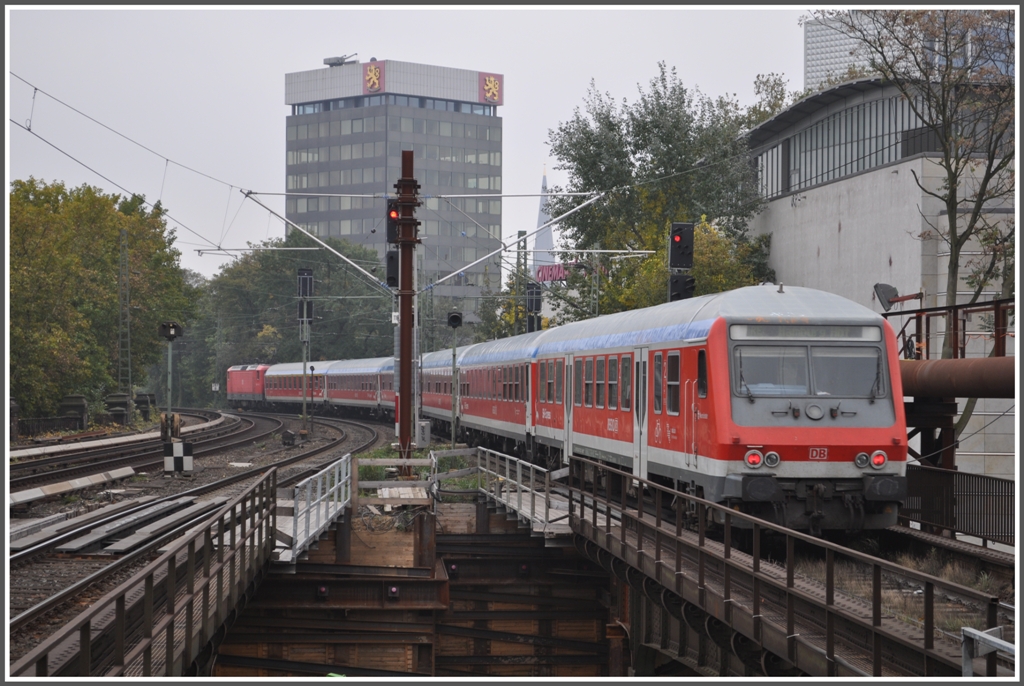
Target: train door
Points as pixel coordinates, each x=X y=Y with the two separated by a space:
x=640 y=413
x=567 y=405
x=528 y=385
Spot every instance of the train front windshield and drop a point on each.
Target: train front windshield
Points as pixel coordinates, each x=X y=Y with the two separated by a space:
x=800 y=361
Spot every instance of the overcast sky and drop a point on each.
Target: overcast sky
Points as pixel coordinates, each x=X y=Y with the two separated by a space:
x=205 y=89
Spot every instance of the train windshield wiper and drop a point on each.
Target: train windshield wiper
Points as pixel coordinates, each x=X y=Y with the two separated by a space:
x=743 y=383
x=876 y=387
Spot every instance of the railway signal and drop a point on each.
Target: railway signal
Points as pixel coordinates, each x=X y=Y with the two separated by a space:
x=391 y=268
x=391 y=222
x=680 y=246
x=680 y=287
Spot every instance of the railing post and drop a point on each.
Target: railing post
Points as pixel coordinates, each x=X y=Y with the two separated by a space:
x=756 y=584
x=830 y=623
x=657 y=525
x=790 y=600
x=876 y=619
x=170 y=610
x=119 y=630
x=147 y=626
x=547 y=497
x=85 y=649
x=519 y=487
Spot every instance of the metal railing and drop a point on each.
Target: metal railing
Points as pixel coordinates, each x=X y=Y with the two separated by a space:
x=33 y=426
x=979 y=643
x=161 y=620
x=916 y=344
x=837 y=612
x=522 y=485
x=318 y=501
x=971 y=504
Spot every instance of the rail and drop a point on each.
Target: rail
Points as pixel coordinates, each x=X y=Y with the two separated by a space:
x=169 y=615
x=917 y=344
x=317 y=502
x=971 y=504
x=836 y=613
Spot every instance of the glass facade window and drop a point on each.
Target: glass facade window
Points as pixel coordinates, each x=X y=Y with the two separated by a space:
x=850 y=141
x=352 y=147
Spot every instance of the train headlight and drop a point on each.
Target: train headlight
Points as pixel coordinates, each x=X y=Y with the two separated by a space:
x=772 y=459
x=753 y=458
x=862 y=460
x=878 y=459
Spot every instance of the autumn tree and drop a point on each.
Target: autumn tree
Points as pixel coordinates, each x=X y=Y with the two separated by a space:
x=955 y=68
x=65 y=310
x=673 y=155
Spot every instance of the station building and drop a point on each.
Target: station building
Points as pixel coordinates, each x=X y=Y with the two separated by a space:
x=350 y=122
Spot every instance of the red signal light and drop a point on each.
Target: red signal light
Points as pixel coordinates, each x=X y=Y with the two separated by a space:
x=677 y=238
x=393 y=214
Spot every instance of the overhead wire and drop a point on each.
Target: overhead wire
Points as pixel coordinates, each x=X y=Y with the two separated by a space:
x=108 y=180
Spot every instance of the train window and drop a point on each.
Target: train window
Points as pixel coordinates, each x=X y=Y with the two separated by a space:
x=504 y=383
x=770 y=370
x=599 y=383
x=702 y=374
x=588 y=383
x=657 y=383
x=847 y=372
x=672 y=381
x=627 y=372
x=549 y=388
x=613 y=381
x=516 y=372
x=559 y=368
x=542 y=370
x=526 y=381
x=577 y=383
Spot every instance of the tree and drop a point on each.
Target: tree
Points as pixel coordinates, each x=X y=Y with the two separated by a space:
x=956 y=70
x=64 y=290
x=673 y=155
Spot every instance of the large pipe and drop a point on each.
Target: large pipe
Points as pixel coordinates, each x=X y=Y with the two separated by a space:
x=983 y=377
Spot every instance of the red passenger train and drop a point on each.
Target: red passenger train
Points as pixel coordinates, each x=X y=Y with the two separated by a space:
x=785 y=403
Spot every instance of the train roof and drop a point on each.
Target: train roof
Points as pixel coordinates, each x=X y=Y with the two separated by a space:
x=372 y=366
x=292 y=368
x=689 y=319
x=248 y=367
x=443 y=358
x=502 y=350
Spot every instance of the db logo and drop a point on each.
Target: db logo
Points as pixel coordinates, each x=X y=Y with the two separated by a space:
x=819 y=454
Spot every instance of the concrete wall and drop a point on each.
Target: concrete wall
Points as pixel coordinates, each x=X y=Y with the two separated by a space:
x=848 y=235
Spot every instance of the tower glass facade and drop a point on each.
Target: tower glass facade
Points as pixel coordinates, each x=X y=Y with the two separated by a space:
x=344 y=140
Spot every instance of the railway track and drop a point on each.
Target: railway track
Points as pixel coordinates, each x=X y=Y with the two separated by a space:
x=145 y=452
x=69 y=566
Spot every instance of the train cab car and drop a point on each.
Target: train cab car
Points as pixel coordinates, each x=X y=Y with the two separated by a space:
x=495 y=407
x=245 y=384
x=783 y=403
x=283 y=383
x=810 y=387
x=355 y=384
